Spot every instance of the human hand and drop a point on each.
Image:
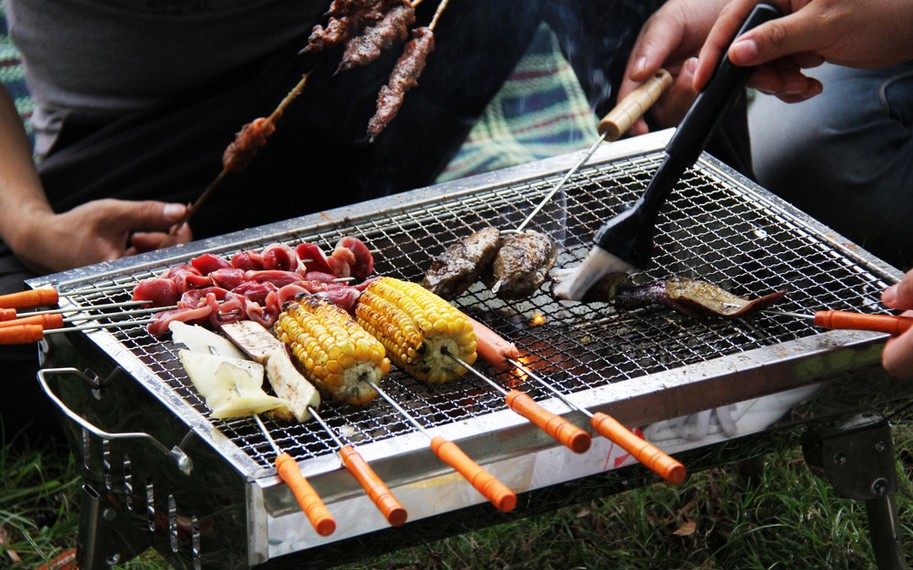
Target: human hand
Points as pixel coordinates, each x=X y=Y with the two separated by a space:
x=897 y=357
x=854 y=33
x=97 y=231
x=670 y=39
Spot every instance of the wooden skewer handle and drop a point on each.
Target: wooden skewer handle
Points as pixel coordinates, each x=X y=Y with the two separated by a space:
x=30 y=299
x=645 y=452
x=310 y=502
x=561 y=429
x=47 y=321
x=632 y=107
x=383 y=498
x=23 y=334
x=484 y=482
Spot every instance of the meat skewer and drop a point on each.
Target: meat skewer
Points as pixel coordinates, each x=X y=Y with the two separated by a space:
x=487 y=484
x=9 y=314
x=308 y=499
x=393 y=27
x=516 y=262
x=405 y=74
x=238 y=154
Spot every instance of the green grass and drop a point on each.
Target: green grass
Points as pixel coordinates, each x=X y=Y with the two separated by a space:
x=769 y=513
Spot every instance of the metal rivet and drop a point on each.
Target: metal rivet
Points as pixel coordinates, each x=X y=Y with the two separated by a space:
x=840 y=459
x=880 y=487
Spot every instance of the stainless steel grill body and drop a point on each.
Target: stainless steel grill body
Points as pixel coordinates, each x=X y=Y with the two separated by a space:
x=641 y=366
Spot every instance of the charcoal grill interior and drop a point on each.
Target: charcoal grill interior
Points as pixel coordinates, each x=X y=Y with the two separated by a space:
x=716 y=226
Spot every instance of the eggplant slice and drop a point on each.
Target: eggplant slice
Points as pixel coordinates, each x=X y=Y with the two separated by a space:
x=692 y=297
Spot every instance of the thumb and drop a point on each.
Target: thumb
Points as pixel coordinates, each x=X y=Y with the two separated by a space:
x=152 y=215
x=772 y=40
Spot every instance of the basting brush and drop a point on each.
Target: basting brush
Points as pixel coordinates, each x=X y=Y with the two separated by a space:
x=626 y=241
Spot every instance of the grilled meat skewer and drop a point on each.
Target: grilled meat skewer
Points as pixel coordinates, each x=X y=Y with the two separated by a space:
x=461 y=265
x=521 y=265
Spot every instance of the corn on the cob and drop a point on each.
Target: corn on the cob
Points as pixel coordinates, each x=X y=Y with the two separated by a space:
x=416 y=327
x=334 y=353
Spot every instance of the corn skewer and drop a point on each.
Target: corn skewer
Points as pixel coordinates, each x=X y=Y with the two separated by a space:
x=260 y=345
x=491 y=488
x=308 y=499
x=377 y=490
x=561 y=429
x=607 y=426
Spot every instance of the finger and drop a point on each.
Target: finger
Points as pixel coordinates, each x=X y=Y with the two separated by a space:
x=900 y=296
x=151 y=241
x=897 y=357
x=791 y=34
x=150 y=215
x=672 y=107
x=719 y=38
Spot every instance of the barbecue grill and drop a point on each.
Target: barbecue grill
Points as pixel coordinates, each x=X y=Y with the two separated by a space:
x=158 y=471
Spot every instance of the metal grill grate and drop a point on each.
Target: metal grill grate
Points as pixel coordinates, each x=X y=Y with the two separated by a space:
x=713 y=228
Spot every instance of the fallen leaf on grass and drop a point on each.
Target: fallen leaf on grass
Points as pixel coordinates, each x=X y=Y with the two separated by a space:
x=687 y=528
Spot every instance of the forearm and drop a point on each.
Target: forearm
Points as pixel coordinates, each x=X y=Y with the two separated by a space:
x=22 y=198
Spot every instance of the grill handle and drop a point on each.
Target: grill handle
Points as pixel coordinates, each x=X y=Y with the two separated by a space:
x=184 y=463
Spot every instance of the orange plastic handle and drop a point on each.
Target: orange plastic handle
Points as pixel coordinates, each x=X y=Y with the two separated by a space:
x=484 y=482
x=307 y=497
x=561 y=429
x=383 y=498
x=30 y=299
x=891 y=324
x=7 y=314
x=23 y=334
x=645 y=452
x=46 y=322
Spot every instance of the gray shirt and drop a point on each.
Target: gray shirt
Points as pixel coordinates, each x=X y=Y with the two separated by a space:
x=98 y=59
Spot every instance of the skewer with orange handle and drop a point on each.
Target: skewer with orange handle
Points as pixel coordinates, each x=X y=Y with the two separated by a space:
x=22 y=334
x=559 y=428
x=848 y=320
x=308 y=499
x=484 y=482
x=29 y=299
x=377 y=490
x=648 y=454
x=46 y=321
x=500 y=496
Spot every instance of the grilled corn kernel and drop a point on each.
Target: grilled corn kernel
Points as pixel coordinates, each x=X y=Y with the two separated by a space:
x=336 y=354
x=418 y=329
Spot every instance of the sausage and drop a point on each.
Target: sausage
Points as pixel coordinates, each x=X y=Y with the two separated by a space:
x=492 y=347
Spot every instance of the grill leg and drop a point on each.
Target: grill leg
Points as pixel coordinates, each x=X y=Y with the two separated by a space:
x=856 y=455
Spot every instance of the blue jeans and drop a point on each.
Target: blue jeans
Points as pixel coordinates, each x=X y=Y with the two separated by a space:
x=846 y=156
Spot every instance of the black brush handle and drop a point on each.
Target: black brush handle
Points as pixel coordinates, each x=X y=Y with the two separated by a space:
x=629 y=236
